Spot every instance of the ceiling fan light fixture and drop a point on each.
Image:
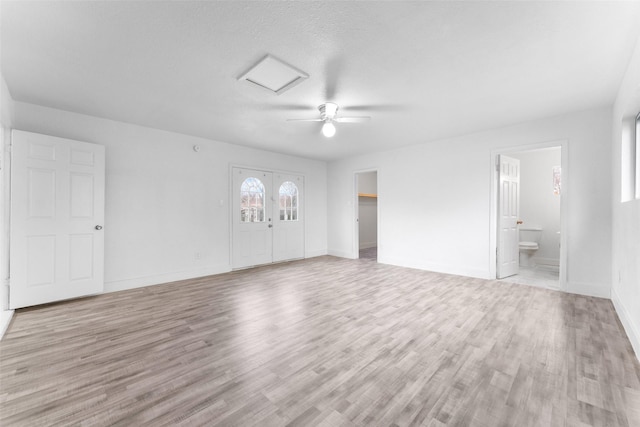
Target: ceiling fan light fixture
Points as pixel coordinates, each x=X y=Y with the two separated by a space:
x=328 y=129
x=328 y=115
x=328 y=109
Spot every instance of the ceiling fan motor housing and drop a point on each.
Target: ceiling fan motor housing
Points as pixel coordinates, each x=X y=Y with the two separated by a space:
x=328 y=110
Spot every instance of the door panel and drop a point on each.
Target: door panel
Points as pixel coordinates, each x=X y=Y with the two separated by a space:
x=81 y=256
x=41 y=260
x=82 y=187
x=260 y=242
x=509 y=207
x=252 y=221
x=42 y=193
x=288 y=229
x=57 y=200
x=42 y=151
x=82 y=157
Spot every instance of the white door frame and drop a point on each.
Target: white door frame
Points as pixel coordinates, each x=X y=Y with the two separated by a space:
x=493 y=217
x=355 y=247
x=230 y=201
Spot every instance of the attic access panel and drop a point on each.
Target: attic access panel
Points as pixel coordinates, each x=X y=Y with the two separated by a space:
x=274 y=75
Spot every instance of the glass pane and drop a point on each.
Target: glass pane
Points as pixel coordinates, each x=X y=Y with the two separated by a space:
x=288 y=201
x=252 y=200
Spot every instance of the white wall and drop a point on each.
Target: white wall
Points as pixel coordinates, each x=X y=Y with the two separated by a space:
x=539 y=207
x=435 y=200
x=6 y=122
x=368 y=210
x=625 y=275
x=165 y=202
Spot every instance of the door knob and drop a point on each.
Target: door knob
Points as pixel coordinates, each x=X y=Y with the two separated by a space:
x=518 y=222
x=270 y=225
x=98 y=227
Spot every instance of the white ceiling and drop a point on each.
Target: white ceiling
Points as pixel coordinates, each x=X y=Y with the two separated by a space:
x=422 y=70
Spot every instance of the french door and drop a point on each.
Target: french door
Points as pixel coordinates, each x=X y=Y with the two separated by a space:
x=268 y=217
x=288 y=227
x=57 y=215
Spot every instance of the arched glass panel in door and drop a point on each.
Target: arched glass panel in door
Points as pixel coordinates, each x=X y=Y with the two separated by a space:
x=252 y=196
x=288 y=201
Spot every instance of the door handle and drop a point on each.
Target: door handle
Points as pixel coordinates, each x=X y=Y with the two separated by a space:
x=270 y=225
x=518 y=222
x=98 y=227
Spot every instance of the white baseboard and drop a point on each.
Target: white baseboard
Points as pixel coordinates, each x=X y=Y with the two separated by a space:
x=547 y=261
x=313 y=254
x=627 y=322
x=5 y=320
x=437 y=268
x=5 y=315
x=368 y=245
x=341 y=254
x=589 y=289
x=156 y=279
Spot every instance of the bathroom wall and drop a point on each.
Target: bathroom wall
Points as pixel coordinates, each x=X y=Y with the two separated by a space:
x=368 y=210
x=539 y=206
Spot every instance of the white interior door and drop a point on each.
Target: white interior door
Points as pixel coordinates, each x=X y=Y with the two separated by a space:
x=252 y=217
x=288 y=215
x=508 y=214
x=57 y=214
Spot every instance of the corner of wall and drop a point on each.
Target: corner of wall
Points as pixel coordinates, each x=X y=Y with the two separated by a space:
x=625 y=318
x=5 y=321
x=316 y=253
x=341 y=254
x=5 y=313
x=7 y=105
x=7 y=112
x=589 y=289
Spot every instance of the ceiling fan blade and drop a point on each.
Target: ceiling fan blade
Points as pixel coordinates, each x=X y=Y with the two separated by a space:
x=378 y=107
x=354 y=119
x=292 y=107
x=305 y=120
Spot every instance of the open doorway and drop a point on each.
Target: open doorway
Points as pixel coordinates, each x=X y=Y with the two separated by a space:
x=367 y=215
x=536 y=247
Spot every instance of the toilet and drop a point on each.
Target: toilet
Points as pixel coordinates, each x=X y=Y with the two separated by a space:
x=529 y=241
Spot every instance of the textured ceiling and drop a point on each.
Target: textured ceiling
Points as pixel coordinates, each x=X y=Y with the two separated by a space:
x=422 y=70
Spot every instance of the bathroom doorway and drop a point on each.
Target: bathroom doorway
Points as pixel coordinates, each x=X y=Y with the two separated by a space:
x=541 y=256
x=367 y=215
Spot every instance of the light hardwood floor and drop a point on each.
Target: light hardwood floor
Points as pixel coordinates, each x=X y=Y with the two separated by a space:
x=324 y=341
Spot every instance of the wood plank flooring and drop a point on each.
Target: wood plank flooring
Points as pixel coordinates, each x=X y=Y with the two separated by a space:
x=321 y=342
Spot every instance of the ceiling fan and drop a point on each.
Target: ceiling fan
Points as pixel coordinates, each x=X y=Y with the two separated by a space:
x=328 y=115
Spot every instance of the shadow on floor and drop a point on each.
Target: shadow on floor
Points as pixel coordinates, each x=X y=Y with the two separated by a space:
x=370 y=254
